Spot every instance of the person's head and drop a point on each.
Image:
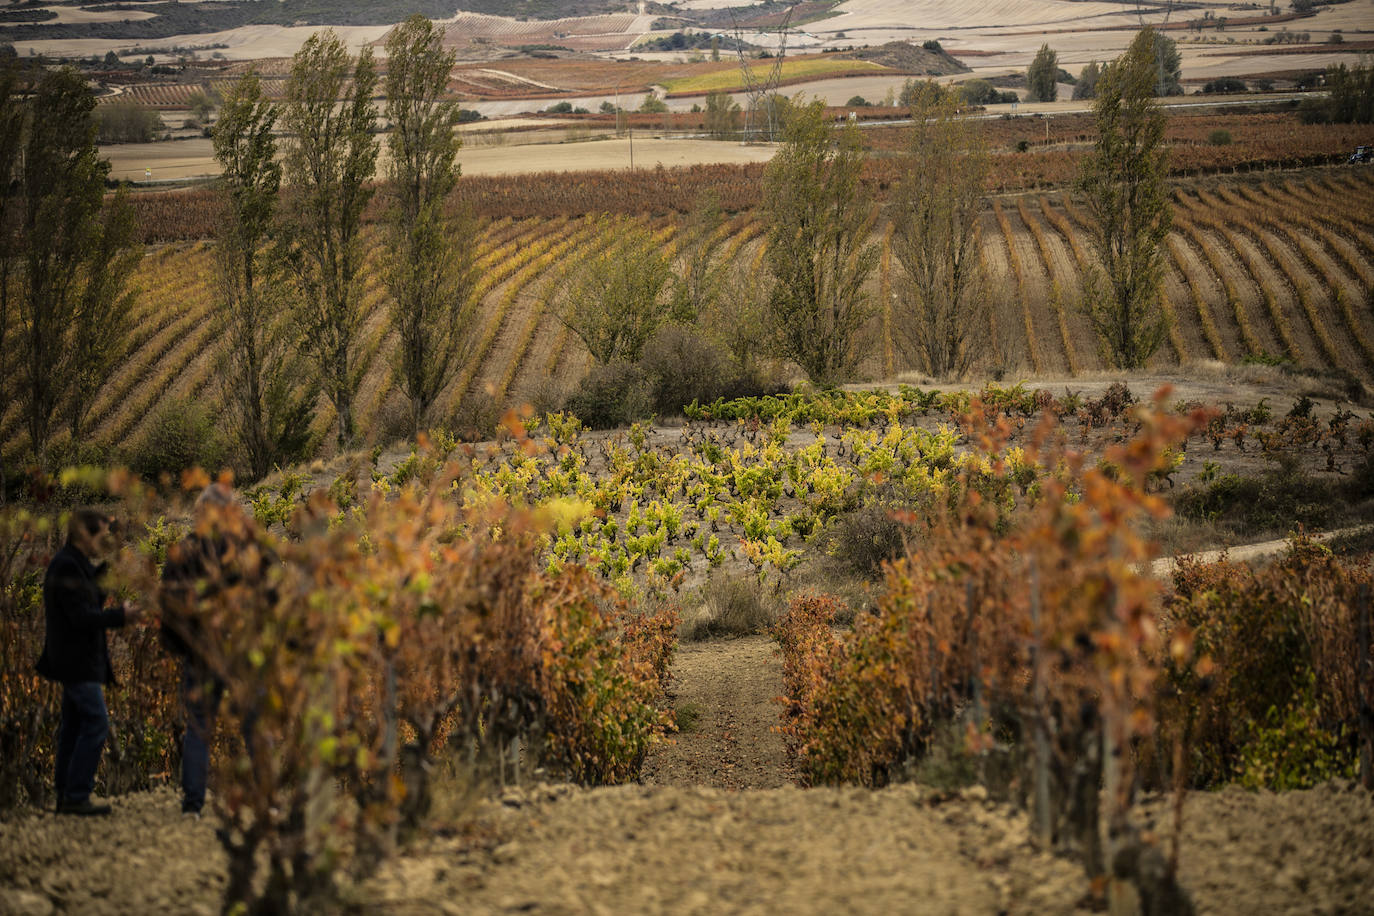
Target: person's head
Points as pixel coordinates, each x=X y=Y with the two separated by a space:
x=215 y=498
x=88 y=530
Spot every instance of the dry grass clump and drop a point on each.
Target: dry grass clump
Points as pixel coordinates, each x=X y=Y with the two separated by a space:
x=734 y=605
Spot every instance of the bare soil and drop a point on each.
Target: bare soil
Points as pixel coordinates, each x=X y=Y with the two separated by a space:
x=726 y=690
x=716 y=829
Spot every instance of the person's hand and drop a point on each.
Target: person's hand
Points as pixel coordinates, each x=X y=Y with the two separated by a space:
x=132 y=612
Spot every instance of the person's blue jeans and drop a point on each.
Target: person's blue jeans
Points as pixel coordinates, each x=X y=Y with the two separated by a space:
x=80 y=738
x=202 y=693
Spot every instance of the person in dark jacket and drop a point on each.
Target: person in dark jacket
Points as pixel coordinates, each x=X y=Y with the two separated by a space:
x=75 y=653
x=206 y=562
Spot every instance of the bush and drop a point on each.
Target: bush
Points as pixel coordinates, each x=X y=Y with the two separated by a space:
x=181 y=435
x=1219 y=138
x=863 y=540
x=736 y=605
x=616 y=394
x=476 y=418
x=1225 y=84
x=1267 y=694
x=678 y=366
x=683 y=366
x=1276 y=501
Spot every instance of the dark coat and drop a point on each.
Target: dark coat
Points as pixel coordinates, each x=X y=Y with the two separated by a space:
x=74 y=646
x=195 y=569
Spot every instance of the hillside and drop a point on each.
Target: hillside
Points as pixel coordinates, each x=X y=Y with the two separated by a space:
x=911 y=58
x=170 y=19
x=1271 y=269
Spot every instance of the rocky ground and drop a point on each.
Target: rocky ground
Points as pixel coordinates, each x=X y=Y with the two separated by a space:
x=716 y=828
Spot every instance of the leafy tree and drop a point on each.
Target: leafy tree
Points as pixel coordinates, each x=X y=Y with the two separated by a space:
x=1349 y=98
x=921 y=92
x=818 y=250
x=127 y=122
x=202 y=105
x=11 y=135
x=652 y=104
x=69 y=254
x=614 y=302
x=942 y=305
x=429 y=260
x=104 y=306
x=330 y=160
x=1086 y=88
x=1168 y=66
x=269 y=404
x=723 y=118
x=697 y=284
x=1042 y=75
x=1123 y=180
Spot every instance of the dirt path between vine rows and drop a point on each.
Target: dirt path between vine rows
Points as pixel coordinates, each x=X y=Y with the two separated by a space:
x=725 y=697
x=716 y=828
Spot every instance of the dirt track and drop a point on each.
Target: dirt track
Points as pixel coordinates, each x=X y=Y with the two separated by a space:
x=729 y=687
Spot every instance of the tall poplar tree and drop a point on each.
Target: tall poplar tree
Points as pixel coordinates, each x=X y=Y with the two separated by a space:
x=941 y=313
x=1123 y=182
x=429 y=257
x=267 y=391
x=331 y=156
x=818 y=250
x=69 y=256
x=1043 y=75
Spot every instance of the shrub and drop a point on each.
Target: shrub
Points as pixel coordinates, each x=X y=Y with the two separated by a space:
x=1219 y=138
x=1268 y=693
x=476 y=418
x=181 y=435
x=865 y=539
x=682 y=367
x=1225 y=84
x=616 y=394
x=958 y=637
x=736 y=605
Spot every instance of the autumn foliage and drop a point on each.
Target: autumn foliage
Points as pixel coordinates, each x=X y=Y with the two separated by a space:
x=1024 y=609
x=363 y=651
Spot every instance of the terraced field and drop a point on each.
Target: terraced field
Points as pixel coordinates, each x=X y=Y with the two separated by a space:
x=1268 y=267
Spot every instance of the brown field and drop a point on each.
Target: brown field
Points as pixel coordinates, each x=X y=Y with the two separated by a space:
x=1277 y=265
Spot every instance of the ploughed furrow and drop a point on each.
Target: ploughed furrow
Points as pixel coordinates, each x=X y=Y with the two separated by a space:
x=1074 y=272
x=525 y=265
x=1208 y=296
x=1236 y=283
x=526 y=312
x=1346 y=279
x=1182 y=327
x=1055 y=280
x=1298 y=342
x=885 y=297
x=379 y=385
x=157 y=379
x=376 y=350
x=1351 y=200
x=1307 y=287
x=175 y=301
x=1021 y=292
x=1006 y=323
x=1351 y=248
x=170 y=282
x=550 y=336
